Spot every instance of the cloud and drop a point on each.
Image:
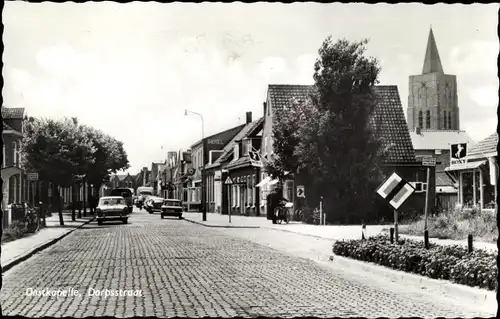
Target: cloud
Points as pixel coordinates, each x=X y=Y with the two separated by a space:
x=486 y=96
x=477 y=57
x=21 y=80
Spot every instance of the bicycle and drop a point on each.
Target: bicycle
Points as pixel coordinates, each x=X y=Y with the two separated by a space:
x=282 y=214
x=299 y=216
x=31 y=219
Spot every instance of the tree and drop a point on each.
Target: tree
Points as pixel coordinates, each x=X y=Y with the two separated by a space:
x=57 y=150
x=109 y=157
x=339 y=152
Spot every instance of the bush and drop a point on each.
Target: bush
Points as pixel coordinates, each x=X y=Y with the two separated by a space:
x=439 y=262
x=457 y=225
x=13 y=232
x=310 y=216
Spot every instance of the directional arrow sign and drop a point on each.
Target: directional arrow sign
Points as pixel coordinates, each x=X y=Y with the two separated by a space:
x=402 y=195
x=389 y=185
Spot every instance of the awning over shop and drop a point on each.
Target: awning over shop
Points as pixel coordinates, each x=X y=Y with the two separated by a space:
x=263 y=182
x=465 y=166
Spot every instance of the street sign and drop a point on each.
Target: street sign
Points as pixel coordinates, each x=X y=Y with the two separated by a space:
x=228 y=181
x=300 y=191
x=32 y=176
x=458 y=153
x=389 y=185
x=401 y=196
x=428 y=161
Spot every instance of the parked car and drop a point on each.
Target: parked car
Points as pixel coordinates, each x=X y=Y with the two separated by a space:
x=112 y=208
x=127 y=194
x=172 y=207
x=154 y=204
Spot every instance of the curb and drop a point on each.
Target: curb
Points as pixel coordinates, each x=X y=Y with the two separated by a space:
x=484 y=298
x=294 y=232
x=40 y=248
x=216 y=226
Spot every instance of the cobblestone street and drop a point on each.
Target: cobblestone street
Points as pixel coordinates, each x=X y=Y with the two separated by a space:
x=188 y=270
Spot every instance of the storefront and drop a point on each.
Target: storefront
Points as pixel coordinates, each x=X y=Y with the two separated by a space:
x=477 y=177
x=242 y=195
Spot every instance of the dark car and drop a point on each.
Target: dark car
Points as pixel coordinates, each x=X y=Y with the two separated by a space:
x=125 y=193
x=171 y=207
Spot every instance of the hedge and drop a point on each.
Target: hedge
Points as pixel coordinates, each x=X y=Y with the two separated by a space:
x=454 y=263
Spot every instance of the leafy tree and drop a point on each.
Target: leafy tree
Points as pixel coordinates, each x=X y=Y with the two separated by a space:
x=329 y=138
x=57 y=151
x=110 y=157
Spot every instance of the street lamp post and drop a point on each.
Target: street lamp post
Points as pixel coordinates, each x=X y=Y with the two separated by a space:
x=203 y=207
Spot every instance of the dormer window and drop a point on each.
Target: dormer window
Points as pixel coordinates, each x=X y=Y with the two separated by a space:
x=236 y=151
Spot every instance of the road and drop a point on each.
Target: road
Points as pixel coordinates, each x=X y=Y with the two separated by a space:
x=183 y=269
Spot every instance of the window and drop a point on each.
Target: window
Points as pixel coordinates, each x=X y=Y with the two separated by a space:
x=3 y=158
x=14 y=149
x=236 y=151
x=445 y=119
x=449 y=120
x=428 y=119
x=420 y=119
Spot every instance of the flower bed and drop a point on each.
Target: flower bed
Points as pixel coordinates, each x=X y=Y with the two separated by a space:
x=454 y=263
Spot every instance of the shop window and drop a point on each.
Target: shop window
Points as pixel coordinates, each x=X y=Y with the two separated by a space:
x=428 y=119
x=445 y=120
x=420 y=119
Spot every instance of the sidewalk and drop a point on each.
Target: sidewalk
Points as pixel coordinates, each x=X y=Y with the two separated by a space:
x=16 y=251
x=332 y=232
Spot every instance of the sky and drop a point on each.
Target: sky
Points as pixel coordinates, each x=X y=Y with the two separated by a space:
x=132 y=69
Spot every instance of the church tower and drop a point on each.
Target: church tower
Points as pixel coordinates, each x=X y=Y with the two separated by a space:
x=432 y=98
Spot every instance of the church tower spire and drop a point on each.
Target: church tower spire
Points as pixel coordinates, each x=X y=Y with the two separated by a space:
x=432 y=96
x=432 y=61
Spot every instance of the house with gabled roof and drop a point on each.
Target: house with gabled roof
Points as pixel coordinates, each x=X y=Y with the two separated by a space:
x=15 y=185
x=390 y=121
x=477 y=177
x=241 y=197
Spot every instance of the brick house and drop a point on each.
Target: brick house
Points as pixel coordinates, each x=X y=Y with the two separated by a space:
x=242 y=197
x=15 y=185
x=388 y=117
x=201 y=152
x=123 y=181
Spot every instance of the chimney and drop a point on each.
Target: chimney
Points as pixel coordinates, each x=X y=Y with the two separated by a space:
x=249 y=117
x=265 y=108
x=417 y=130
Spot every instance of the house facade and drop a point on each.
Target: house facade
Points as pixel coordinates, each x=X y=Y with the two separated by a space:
x=240 y=195
x=388 y=118
x=15 y=187
x=200 y=156
x=122 y=181
x=477 y=176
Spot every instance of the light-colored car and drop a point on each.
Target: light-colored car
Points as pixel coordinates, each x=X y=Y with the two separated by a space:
x=112 y=208
x=153 y=204
x=171 y=207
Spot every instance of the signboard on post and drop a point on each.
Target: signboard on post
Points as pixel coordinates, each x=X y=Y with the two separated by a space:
x=228 y=181
x=396 y=191
x=32 y=176
x=300 y=191
x=429 y=161
x=458 y=153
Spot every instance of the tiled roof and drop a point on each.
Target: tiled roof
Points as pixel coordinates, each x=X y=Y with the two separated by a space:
x=239 y=162
x=12 y=112
x=438 y=140
x=393 y=127
x=486 y=146
x=227 y=150
x=281 y=95
x=121 y=177
x=394 y=130
x=442 y=179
